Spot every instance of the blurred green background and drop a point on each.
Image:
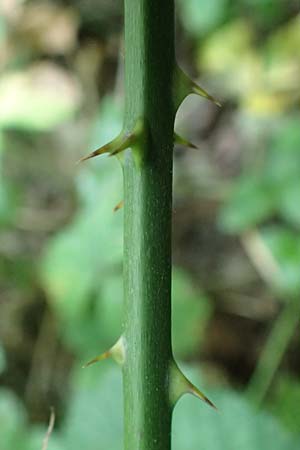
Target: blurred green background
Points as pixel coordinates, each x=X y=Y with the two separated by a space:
x=236 y=246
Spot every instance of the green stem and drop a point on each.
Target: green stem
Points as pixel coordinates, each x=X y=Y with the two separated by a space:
x=272 y=354
x=149 y=50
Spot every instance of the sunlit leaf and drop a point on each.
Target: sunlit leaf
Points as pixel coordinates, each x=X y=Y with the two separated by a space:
x=39 y=98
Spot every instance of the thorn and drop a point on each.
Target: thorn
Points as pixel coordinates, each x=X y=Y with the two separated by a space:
x=116 y=352
x=126 y=141
x=183 y=86
x=182 y=141
x=98 y=151
x=123 y=141
x=195 y=391
x=101 y=357
x=199 y=91
x=118 y=206
x=180 y=385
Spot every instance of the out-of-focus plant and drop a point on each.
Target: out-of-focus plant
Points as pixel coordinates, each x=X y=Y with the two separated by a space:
x=268 y=191
x=240 y=47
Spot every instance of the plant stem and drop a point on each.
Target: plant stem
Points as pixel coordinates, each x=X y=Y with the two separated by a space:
x=149 y=50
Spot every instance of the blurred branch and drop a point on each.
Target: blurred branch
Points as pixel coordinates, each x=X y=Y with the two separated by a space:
x=260 y=256
x=284 y=326
x=273 y=351
x=49 y=430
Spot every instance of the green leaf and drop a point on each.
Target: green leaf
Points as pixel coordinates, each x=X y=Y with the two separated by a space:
x=36 y=437
x=285 y=402
x=237 y=425
x=226 y=50
x=80 y=260
x=289 y=201
x=252 y=201
x=200 y=16
x=2 y=359
x=94 y=416
x=38 y=99
x=12 y=422
x=285 y=247
x=190 y=314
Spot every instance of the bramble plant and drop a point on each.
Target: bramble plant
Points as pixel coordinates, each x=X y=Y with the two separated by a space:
x=155 y=88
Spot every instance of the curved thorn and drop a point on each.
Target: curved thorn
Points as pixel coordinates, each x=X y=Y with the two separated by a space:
x=183 y=86
x=199 y=91
x=99 y=151
x=118 y=206
x=182 y=141
x=116 y=352
x=126 y=141
x=197 y=393
x=104 y=355
x=123 y=141
x=180 y=385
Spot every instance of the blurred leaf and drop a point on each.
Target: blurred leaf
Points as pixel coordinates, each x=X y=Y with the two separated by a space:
x=200 y=16
x=8 y=201
x=271 y=187
x=12 y=422
x=81 y=259
x=38 y=98
x=264 y=12
x=285 y=247
x=108 y=123
x=2 y=359
x=266 y=102
x=283 y=157
x=109 y=312
x=236 y=426
x=265 y=77
x=190 y=314
x=282 y=169
x=283 y=44
x=251 y=202
x=224 y=48
x=289 y=202
x=8 y=194
x=15 y=433
x=94 y=416
x=285 y=402
x=36 y=437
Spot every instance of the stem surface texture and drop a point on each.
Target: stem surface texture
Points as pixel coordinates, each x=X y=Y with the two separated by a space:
x=149 y=65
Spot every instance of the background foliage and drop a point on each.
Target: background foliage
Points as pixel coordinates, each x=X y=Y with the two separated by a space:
x=236 y=224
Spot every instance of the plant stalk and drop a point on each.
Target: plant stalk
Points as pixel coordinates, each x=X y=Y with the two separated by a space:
x=149 y=65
